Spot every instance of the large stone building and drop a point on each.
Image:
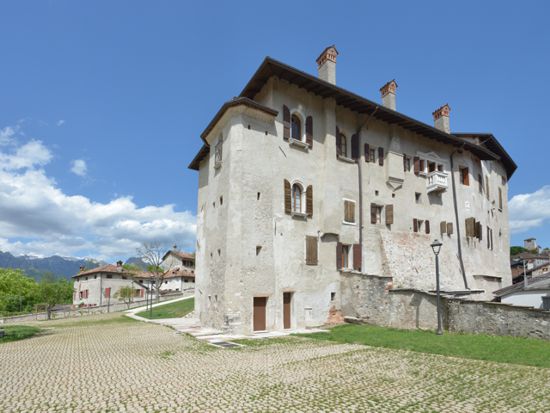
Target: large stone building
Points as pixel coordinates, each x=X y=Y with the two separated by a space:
x=302 y=183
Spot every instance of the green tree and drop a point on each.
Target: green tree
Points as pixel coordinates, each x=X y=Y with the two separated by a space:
x=126 y=294
x=53 y=291
x=18 y=293
x=514 y=250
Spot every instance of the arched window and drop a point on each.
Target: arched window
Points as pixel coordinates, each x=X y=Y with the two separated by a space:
x=296 y=198
x=296 y=128
x=343 y=145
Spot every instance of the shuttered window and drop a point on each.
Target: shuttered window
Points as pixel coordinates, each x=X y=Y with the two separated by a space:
x=375 y=214
x=342 y=256
x=339 y=255
x=449 y=228
x=286 y=123
x=381 y=156
x=367 y=152
x=309 y=201
x=470 y=227
x=309 y=131
x=416 y=162
x=296 y=198
x=406 y=163
x=288 y=201
x=389 y=214
x=349 y=211
x=464 y=176
x=343 y=145
x=296 y=127
x=311 y=250
x=443 y=227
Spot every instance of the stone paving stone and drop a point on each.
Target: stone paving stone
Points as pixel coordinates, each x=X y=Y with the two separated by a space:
x=111 y=366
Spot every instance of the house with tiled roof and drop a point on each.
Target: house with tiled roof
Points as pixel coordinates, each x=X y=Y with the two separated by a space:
x=99 y=286
x=306 y=188
x=532 y=292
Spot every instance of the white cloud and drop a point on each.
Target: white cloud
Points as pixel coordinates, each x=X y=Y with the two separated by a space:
x=530 y=210
x=60 y=122
x=7 y=134
x=79 y=167
x=39 y=218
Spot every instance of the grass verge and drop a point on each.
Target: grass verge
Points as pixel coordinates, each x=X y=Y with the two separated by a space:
x=14 y=333
x=172 y=310
x=514 y=350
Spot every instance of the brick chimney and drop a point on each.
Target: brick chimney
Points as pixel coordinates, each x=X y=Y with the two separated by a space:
x=326 y=64
x=441 y=118
x=388 y=94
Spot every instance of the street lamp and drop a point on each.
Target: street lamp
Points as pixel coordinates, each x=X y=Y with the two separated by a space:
x=436 y=247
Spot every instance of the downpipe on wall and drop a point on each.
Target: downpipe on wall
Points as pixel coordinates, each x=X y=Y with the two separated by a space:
x=457 y=223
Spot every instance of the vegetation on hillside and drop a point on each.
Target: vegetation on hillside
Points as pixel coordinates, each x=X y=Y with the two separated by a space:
x=21 y=294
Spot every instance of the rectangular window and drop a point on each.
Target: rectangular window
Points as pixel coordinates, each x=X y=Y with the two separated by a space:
x=406 y=163
x=431 y=166
x=418 y=225
x=464 y=176
x=375 y=214
x=345 y=256
x=349 y=211
x=422 y=166
x=417 y=197
x=372 y=155
x=311 y=250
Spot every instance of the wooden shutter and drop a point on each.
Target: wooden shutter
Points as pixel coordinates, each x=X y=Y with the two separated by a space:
x=427 y=226
x=357 y=257
x=416 y=165
x=415 y=225
x=339 y=256
x=355 y=152
x=311 y=250
x=108 y=292
x=470 y=227
x=309 y=201
x=381 y=156
x=443 y=227
x=309 y=131
x=288 y=204
x=449 y=228
x=479 y=230
x=338 y=142
x=389 y=214
x=367 y=152
x=349 y=211
x=286 y=123
x=373 y=213
x=465 y=176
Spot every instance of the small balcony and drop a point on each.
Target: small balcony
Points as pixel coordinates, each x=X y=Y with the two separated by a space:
x=436 y=181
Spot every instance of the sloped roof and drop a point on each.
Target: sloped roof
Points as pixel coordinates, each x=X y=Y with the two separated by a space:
x=180 y=254
x=270 y=67
x=179 y=272
x=540 y=282
x=112 y=269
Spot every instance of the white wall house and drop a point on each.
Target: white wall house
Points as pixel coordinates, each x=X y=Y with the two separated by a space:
x=99 y=286
x=531 y=293
x=302 y=183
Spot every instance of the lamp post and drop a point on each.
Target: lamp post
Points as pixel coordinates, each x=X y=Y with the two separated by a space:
x=436 y=247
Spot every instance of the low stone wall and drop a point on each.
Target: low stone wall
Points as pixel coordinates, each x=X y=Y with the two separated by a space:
x=372 y=300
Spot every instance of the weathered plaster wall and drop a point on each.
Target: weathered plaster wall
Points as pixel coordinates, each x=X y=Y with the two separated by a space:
x=369 y=299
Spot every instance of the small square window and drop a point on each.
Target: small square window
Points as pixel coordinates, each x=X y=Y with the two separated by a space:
x=418 y=197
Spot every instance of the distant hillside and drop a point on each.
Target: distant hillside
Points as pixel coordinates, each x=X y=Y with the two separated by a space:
x=35 y=267
x=137 y=261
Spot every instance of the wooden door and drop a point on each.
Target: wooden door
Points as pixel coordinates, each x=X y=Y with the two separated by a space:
x=259 y=313
x=287 y=298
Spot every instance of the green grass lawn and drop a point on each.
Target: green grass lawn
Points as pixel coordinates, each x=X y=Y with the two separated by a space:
x=515 y=350
x=14 y=333
x=173 y=310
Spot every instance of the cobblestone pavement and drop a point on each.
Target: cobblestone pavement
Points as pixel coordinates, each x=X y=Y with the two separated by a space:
x=109 y=365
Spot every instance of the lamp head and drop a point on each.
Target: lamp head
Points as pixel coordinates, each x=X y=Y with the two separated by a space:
x=436 y=246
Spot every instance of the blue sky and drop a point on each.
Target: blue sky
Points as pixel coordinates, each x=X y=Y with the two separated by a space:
x=102 y=102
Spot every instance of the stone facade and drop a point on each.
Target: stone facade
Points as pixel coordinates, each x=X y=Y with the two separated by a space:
x=399 y=179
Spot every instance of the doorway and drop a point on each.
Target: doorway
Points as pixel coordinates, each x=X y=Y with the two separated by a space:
x=287 y=310
x=259 y=313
